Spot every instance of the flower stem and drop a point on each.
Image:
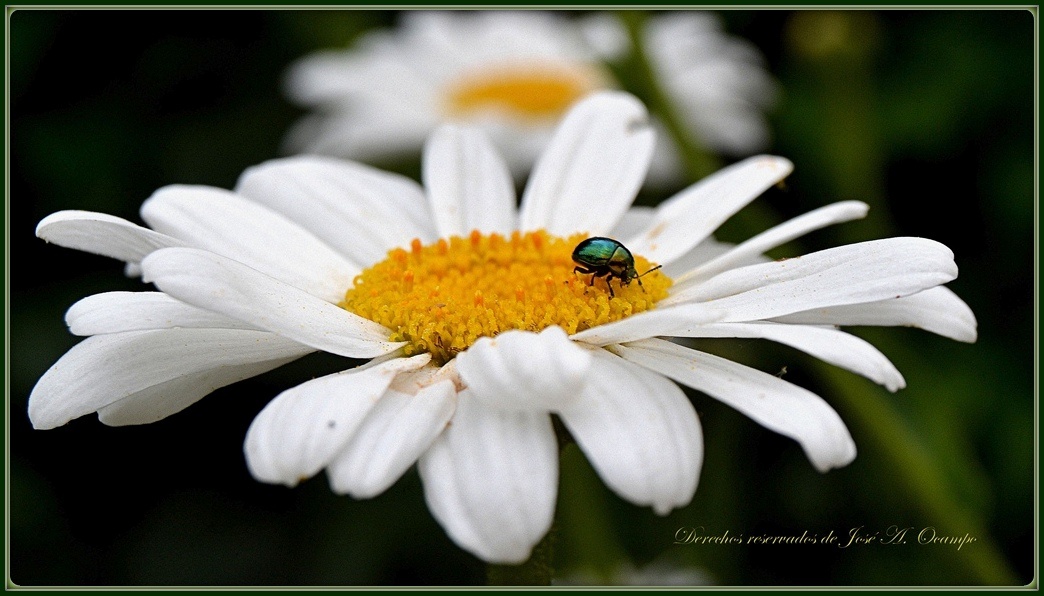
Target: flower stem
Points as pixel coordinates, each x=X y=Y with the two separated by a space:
x=536 y=571
x=586 y=535
x=913 y=467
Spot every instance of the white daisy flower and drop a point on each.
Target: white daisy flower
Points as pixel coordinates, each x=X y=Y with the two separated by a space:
x=514 y=74
x=716 y=81
x=478 y=328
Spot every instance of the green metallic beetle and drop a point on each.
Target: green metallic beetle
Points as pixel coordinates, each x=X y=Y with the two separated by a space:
x=608 y=258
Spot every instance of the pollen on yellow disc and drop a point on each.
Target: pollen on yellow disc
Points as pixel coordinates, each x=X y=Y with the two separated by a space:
x=525 y=91
x=442 y=297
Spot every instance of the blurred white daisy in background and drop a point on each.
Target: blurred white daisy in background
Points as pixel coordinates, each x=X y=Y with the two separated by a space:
x=716 y=81
x=514 y=74
x=476 y=323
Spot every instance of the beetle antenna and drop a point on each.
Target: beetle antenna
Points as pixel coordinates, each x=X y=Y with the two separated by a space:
x=639 y=277
x=651 y=270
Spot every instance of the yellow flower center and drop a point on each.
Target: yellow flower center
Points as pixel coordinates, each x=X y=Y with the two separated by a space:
x=525 y=91
x=442 y=297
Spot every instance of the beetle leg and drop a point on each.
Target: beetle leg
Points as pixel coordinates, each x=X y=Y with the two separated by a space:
x=584 y=271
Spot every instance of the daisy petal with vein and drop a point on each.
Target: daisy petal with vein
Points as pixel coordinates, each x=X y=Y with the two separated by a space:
x=479 y=328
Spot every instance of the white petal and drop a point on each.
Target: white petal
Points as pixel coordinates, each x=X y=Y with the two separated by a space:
x=588 y=176
x=361 y=211
x=667 y=170
x=605 y=34
x=678 y=320
x=687 y=218
x=640 y=433
x=375 y=132
x=385 y=69
x=716 y=82
x=632 y=221
x=491 y=480
x=702 y=253
x=390 y=439
x=225 y=286
x=217 y=220
x=162 y=400
x=303 y=428
x=768 y=400
x=313 y=80
x=469 y=185
x=863 y=272
x=937 y=309
x=376 y=68
x=830 y=345
x=525 y=371
x=115 y=312
x=106 y=368
x=102 y=234
x=776 y=236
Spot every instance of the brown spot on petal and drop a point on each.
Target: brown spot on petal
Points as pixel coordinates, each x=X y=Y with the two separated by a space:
x=657 y=230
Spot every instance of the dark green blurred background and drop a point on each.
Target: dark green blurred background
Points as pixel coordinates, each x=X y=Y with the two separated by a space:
x=926 y=115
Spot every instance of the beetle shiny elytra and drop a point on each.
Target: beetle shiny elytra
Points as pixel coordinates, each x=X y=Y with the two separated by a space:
x=608 y=258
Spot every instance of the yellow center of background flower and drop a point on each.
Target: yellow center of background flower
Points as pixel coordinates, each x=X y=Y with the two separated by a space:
x=442 y=297
x=524 y=91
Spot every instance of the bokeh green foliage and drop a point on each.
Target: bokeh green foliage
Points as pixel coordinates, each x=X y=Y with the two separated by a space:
x=928 y=116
